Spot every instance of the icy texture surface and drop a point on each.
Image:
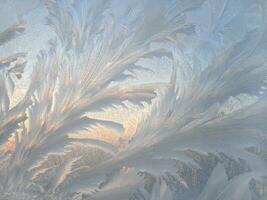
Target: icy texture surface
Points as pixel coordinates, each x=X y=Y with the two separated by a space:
x=133 y=100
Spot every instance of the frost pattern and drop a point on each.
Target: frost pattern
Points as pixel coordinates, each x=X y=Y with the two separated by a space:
x=204 y=137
